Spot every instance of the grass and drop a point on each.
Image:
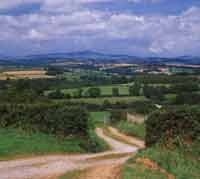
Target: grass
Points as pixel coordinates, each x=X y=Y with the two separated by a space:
x=15 y=143
x=182 y=163
x=170 y=98
x=132 y=129
x=138 y=171
x=105 y=90
x=100 y=117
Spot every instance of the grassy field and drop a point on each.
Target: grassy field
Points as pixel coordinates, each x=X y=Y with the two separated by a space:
x=105 y=90
x=100 y=117
x=31 y=74
x=170 y=98
x=15 y=143
x=132 y=129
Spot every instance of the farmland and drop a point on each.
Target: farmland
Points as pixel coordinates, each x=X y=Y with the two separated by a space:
x=61 y=114
x=105 y=90
x=30 y=74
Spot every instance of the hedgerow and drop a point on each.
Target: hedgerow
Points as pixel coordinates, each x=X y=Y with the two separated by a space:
x=171 y=124
x=55 y=119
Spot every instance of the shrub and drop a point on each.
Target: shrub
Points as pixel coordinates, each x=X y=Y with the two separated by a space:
x=172 y=124
x=118 y=115
x=48 y=118
x=56 y=94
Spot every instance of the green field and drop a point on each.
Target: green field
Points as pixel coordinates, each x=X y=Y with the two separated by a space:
x=15 y=143
x=105 y=90
x=132 y=129
x=170 y=97
x=76 y=74
x=100 y=117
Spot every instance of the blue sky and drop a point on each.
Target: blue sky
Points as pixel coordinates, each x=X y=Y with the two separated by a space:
x=135 y=27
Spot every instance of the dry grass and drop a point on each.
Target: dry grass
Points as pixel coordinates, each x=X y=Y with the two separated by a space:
x=31 y=74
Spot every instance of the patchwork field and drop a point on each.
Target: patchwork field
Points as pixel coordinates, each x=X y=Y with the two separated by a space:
x=31 y=74
x=105 y=90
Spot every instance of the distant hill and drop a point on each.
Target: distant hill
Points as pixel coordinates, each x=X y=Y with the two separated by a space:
x=44 y=59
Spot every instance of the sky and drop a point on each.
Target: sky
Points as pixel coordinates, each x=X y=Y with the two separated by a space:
x=134 y=27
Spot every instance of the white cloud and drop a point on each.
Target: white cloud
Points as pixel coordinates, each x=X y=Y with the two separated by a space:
x=178 y=34
x=7 y=4
x=149 y=1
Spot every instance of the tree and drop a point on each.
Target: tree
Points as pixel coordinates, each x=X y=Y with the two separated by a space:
x=80 y=92
x=185 y=87
x=68 y=96
x=53 y=71
x=134 y=90
x=156 y=93
x=115 y=91
x=106 y=104
x=56 y=94
x=94 y=92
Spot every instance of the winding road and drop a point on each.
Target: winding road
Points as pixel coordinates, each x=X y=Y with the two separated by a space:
x=53 y=166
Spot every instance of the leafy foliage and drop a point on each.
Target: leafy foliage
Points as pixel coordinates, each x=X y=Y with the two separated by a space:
x=169 y=125
x=47 y=118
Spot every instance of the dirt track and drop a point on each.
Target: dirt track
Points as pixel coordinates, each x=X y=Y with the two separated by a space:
x=56 y=165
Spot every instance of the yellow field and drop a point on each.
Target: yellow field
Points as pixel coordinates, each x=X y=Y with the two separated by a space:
x=31 y=74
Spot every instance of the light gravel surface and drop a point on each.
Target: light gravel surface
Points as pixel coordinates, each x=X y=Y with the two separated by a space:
x=56 y=165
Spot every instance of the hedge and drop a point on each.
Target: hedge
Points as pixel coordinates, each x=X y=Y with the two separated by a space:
x=166 y=125
x=55 y=119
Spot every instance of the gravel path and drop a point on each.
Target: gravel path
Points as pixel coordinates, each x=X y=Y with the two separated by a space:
x=56 y=165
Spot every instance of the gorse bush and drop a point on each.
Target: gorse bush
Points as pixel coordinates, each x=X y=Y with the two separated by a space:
x=47 y=118
x=172 y=126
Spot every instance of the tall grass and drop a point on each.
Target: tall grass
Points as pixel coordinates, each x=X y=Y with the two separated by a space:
x=132 y=129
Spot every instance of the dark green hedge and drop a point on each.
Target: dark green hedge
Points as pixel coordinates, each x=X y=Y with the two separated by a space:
x=48 y=118
x=166 y=125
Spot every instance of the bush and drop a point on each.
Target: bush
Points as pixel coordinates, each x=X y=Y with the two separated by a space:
x=56 y=94
x=48 y=118
x=172 y=124
x=94 y=92
x=118 y=115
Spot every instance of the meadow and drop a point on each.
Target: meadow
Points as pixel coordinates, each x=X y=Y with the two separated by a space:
x=16 y=143
x=105 y=90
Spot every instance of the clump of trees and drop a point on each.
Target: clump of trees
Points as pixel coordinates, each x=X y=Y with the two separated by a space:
x=22 y=91
x=154 y=93
x=53 y=71
x=134 y=90
x=187 y=98
x=115 y=91
x=58 y=94
x=185 y=87
x=93 y=92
